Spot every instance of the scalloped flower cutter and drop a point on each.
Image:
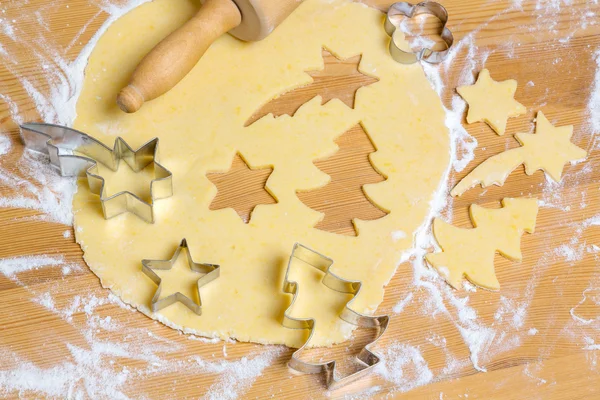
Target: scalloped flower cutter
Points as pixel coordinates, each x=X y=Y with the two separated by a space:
x=410 y=10
x=60 y=143
x=210 y=271
x=368 y=358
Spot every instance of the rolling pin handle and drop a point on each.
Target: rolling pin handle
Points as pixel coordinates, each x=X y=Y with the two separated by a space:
x=130 y=99
x=175 y=56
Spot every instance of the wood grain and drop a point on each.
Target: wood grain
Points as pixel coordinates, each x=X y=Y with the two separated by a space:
x=343 y=198
x=339 y=79
x=527 y=43
x=241 y=188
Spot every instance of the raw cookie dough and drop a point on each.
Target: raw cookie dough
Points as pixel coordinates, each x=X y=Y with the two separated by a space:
x=549 y=149
x=470 y=252
x=201 y=127
x=491 y=102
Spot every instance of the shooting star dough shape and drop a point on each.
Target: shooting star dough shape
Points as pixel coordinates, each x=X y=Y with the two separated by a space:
x=549 y=149
x=491 y=102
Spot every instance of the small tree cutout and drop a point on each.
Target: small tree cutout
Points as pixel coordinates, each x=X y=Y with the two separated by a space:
x=470 y=252
x=343 y=198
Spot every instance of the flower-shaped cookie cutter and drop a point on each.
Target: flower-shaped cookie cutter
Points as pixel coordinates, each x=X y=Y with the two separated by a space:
x=410 y=10
x=368 y=358
x=60 y=143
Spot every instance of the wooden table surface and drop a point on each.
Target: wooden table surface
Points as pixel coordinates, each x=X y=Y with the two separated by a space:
x=543 y=327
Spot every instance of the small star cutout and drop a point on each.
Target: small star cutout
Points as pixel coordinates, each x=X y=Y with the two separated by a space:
x=346 y=185
x=550 y=148
x=158 y=302
x=241 y=188
x=491 y=102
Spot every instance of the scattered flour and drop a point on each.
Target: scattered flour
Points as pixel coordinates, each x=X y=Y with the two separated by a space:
x=404 y=366
x=362 y=395
x=5 y=145
x=91 y=372
x=594 y=100
x=532 y=332
x=589 y=295
x=590 y=344
x=42 y=190
x=570 y=252
x=10 y=267
x=398 y=308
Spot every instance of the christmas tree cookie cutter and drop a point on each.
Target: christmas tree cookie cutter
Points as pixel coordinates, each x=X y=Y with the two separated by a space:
x=410 y=10
x=210 y=271
x=60 y=143
x=368 y=358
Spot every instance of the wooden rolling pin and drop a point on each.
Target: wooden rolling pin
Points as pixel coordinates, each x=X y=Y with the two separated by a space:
x=175 y=56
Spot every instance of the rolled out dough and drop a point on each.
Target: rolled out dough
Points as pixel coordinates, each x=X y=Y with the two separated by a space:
x=200 y=124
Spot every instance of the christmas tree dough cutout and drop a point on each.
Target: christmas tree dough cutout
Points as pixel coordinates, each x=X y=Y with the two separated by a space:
x=549 y=149
x=491 y=102
x=470 y=252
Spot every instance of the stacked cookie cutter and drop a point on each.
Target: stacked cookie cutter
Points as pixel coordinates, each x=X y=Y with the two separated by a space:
x=410 y=10
x=60 y=143
x=368 y=358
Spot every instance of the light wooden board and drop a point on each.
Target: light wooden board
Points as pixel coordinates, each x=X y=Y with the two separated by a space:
x=526 y=43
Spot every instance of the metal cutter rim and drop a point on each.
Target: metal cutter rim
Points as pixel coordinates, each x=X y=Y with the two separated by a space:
x=410 y=10
x=334 y=282
x=54 y=140
x=211 y=272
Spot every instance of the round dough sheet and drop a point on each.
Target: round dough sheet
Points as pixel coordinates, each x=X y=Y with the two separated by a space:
x=200 y=124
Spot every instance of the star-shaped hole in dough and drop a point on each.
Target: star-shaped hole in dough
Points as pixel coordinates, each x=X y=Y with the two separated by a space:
x=241 y=188
x=491 y=102
x=178 y=281
x=339 y=79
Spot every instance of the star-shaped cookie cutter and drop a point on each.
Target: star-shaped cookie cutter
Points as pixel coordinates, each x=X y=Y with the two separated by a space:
x=60 y=143
x=410 y=10
x=210 y=271
x=334 y=282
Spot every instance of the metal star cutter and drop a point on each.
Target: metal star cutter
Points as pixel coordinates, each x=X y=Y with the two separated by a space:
x=368 y=358
x=73 y=152
x=210 y=271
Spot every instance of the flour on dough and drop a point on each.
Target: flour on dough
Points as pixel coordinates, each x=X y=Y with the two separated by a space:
x=200 y=124
x=491 y=102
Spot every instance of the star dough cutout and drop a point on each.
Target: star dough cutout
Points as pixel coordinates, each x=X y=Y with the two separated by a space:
x=549 y=149
x=241 y=188
x=491 y=102
x=210 y=271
